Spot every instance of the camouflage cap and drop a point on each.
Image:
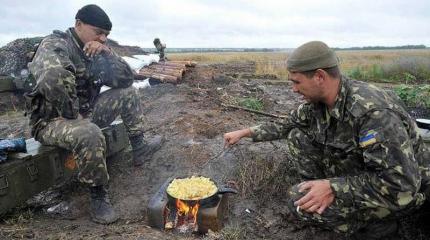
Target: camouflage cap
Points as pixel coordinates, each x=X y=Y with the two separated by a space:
x=310 y=56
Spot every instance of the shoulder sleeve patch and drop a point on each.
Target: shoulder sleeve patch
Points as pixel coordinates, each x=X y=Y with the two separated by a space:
x=368 y=138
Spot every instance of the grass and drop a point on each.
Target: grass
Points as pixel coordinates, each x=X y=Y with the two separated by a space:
x=18 y=217
x=393 y=66
x=253 y=173
x=265 y=62
x=251 y=103
x=227 y=233
x=414 y=96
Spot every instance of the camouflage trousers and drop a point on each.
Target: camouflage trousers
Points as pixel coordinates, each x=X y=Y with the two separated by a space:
x=341 y=216
x=84 y=138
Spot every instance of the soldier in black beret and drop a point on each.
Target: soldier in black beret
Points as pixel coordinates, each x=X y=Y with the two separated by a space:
x=362 y=162
x=67 y=109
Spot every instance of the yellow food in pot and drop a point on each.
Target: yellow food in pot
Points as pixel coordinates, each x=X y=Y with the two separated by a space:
x=192 y=188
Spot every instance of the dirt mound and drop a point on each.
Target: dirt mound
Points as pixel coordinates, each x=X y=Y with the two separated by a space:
x=124 y=50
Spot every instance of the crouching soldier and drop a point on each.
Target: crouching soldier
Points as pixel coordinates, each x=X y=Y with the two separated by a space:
x=362 y=161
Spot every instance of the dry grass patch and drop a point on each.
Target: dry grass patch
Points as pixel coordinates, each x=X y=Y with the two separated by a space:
x=395 y=66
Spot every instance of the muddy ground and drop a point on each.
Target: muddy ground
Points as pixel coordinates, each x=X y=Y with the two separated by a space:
x=191 y=117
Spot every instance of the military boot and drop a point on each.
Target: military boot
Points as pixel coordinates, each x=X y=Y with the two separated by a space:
x=144 y=149
x=100 y=207
x=384 y=229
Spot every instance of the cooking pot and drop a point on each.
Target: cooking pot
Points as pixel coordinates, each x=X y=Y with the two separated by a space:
x=423 y=123
x=204 y=201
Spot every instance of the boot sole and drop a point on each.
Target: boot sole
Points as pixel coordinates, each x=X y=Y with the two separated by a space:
x=96 y=220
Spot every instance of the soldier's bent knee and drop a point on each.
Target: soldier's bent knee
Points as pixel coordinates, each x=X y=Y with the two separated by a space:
x=89 y=135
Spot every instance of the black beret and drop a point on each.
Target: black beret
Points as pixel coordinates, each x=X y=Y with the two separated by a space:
x=94 y=15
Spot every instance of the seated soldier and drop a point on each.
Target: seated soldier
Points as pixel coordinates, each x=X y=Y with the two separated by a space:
x=68 y=110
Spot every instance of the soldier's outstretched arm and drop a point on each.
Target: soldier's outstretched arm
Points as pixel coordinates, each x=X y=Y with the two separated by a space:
x=231 y=138
x=298 y=118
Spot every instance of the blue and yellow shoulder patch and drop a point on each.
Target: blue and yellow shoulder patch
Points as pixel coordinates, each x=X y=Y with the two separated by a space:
x=368 y=138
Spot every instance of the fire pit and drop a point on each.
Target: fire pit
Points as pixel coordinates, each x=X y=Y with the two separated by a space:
x=186 y=216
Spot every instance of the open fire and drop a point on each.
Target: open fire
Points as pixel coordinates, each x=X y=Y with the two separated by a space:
x=182 y=216
x=186 y=216
x=189 y=213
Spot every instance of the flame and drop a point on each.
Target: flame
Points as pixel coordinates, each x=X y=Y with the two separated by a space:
x=187 y=211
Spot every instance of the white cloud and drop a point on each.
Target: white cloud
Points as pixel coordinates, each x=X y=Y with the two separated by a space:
x=240 y=23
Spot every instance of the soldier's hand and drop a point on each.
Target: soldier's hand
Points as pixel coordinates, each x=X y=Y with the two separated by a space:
x=93 y=48
x=318 y=197
x=231 y=138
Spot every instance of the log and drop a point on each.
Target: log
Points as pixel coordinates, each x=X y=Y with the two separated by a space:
x=165 y=72
x=167 y=67
x=162 y=77
x=187 y=63
x=163 y=69
x=172 y=64
x=161 y=65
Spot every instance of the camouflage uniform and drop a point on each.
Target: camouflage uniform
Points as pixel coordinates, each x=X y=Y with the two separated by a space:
x=367 y=146
x=160 y=49
x=66 y=90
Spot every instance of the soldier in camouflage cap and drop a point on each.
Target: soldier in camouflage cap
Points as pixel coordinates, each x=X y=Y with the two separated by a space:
x=160 y=49
x=68 y=110
x=362 y=161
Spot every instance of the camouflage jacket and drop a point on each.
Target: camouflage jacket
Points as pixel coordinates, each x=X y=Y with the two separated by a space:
x=66 y=85
x=370 y=149
x=160 y=49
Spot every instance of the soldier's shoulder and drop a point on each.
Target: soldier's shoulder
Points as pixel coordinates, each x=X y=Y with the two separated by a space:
x=57 y=37
x=59 y=34
x=364 y=97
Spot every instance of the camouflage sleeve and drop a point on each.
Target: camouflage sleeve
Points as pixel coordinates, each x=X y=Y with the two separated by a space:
x=52 y=53
x=54 y=73
x=278 y=130
x=391 y=179
x=111 y=70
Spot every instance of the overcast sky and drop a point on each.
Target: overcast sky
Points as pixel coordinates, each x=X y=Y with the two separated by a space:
x=232 y=23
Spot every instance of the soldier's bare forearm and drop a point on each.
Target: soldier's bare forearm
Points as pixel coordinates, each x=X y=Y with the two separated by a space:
x=231 y=138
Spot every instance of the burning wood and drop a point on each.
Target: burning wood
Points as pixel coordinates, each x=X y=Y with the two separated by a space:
x=182 y=216
x=186 y=216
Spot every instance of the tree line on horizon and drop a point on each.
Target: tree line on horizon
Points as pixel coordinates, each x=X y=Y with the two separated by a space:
x=421 y=46
x=182 y=50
